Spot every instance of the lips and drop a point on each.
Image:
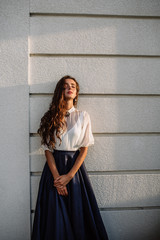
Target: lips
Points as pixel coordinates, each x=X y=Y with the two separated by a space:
x=69 y=92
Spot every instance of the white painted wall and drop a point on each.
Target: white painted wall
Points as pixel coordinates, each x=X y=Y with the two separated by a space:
x=14 y=121
x=112 y=48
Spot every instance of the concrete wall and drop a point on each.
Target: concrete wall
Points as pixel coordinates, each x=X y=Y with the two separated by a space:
x=112 y=48
x=14 y=121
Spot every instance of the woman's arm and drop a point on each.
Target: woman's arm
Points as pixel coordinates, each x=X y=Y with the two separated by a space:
x=52 y=165
x=63 y=180
x=82 y=155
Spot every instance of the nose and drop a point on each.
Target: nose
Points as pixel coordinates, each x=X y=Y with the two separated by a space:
x=69 y=86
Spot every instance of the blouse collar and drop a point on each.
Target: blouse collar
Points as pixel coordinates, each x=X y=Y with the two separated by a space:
x=71 y=109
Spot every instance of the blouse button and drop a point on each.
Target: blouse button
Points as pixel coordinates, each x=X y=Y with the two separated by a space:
x=67 y=114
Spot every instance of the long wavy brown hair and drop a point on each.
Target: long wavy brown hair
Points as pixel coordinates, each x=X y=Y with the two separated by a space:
x=54 y=118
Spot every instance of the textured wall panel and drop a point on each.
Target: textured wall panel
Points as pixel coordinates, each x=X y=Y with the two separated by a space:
x=131 y=225
x=94 y=35
x=14 y=121
x=97 y=74
x=109 y=114
x=121 y=190
x=111 y=153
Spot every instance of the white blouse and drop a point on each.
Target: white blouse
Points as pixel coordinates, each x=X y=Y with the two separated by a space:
x=78 y=133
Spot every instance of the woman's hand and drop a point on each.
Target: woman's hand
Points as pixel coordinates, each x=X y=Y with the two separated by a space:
x=62 y=181
x=62 y=191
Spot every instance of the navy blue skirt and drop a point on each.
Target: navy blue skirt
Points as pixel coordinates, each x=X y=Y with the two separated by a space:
x=72 y=217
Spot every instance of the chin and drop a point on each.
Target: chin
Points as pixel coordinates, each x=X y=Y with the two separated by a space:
x=69 y=97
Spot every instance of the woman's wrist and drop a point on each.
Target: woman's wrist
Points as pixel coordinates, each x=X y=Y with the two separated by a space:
x=56 y=175
x=70 y=175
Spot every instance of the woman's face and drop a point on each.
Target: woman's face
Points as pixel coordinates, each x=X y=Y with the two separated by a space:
x=70 y=89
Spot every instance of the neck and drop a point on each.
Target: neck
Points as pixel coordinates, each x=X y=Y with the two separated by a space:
x=69 y=105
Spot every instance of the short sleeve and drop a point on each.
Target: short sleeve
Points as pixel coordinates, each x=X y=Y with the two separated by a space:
x=87 y=136
x=45 y=147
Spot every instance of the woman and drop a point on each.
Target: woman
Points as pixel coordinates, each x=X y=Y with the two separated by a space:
x=66 y=207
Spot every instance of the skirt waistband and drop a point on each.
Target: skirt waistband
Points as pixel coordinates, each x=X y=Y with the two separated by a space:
x=65 y=151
